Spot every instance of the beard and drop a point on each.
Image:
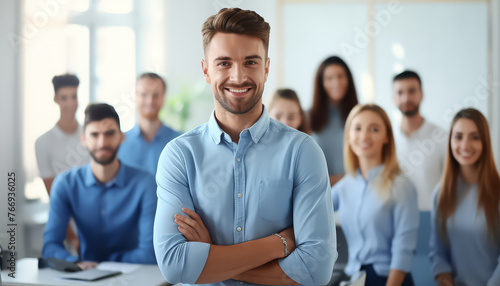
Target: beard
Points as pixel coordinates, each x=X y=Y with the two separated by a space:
x=409 y=112
x=243 y=105
x=104 y=161
x=151 y=115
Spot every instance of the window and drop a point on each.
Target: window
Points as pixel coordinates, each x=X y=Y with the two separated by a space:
x=96 y=40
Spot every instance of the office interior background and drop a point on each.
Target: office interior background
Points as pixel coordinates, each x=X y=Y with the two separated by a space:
x=453 y=45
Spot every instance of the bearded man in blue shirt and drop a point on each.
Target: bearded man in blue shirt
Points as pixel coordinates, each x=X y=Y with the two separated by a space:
x=113 y=204
x=242 y=199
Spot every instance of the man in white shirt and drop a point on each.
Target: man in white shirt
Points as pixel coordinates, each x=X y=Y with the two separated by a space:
x=420 y=145
x=60 y=148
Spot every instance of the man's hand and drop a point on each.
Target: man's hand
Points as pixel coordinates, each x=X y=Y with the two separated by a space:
x=192 y=227
x=84 y=265
x=289 y=236
x=444 y=279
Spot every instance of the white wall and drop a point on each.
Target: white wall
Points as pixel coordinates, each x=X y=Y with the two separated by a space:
x=9 y=115
x=315 y=31
x=450 y=54
x=494 y=104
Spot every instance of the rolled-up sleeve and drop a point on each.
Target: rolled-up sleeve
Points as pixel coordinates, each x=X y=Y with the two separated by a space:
x=405 y=221
x=180 y=261
x=439 y=254
x=311 y=263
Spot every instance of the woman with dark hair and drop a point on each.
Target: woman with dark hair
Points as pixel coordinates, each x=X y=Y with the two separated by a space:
x=334 y=97
x=465 y=237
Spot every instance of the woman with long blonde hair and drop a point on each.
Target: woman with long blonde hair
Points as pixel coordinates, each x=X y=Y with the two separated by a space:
x=377 y=205
x=465 y=237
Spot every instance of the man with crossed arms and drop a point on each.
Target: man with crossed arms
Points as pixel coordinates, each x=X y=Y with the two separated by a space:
x=250 y=195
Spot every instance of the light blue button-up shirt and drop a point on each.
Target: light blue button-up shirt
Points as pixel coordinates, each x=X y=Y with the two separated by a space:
x=274 y=178
x=137 y=152
x=114 y=220
x=331 y=141
x=378 y=231
x=471 y=257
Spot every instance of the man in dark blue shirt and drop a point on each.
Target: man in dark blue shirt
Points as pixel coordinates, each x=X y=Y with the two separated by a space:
x=113 y=204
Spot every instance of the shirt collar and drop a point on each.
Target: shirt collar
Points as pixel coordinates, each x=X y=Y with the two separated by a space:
x=135 y=131
x=256 y=131
x=423 y=128
x=119 y=179
x=61 y=134
x=259 y=128
x=214 y=129
x=373 y=173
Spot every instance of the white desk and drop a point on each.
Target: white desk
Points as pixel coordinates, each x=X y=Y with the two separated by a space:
x=27 y=273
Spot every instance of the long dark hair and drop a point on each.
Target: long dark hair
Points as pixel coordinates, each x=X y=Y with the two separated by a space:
x=488 y=194
x=319 y=110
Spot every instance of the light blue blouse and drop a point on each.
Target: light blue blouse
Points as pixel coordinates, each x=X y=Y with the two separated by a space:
x=331 y=141
x=471 y=257
x=381 y=232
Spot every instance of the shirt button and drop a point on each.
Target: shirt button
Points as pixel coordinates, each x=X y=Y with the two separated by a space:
x=240 y=195
x=238 y=159
x=238 y=228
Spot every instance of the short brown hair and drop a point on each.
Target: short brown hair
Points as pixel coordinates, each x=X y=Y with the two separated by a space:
x=236 y=21
x=152 y=75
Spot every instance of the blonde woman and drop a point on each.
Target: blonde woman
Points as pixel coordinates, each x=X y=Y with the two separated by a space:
x=465 y=237
x=377 y=205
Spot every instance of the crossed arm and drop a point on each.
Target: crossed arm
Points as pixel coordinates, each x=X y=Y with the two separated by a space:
x=252 y=270
x=258 y=261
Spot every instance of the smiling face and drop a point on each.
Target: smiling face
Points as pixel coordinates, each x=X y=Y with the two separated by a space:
x=367 y=135
x=66 y=98
x=286 y=111
x=466 y=144
x=236 y=67
x=102 y=139
x=335 y=82
x=407 y=96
